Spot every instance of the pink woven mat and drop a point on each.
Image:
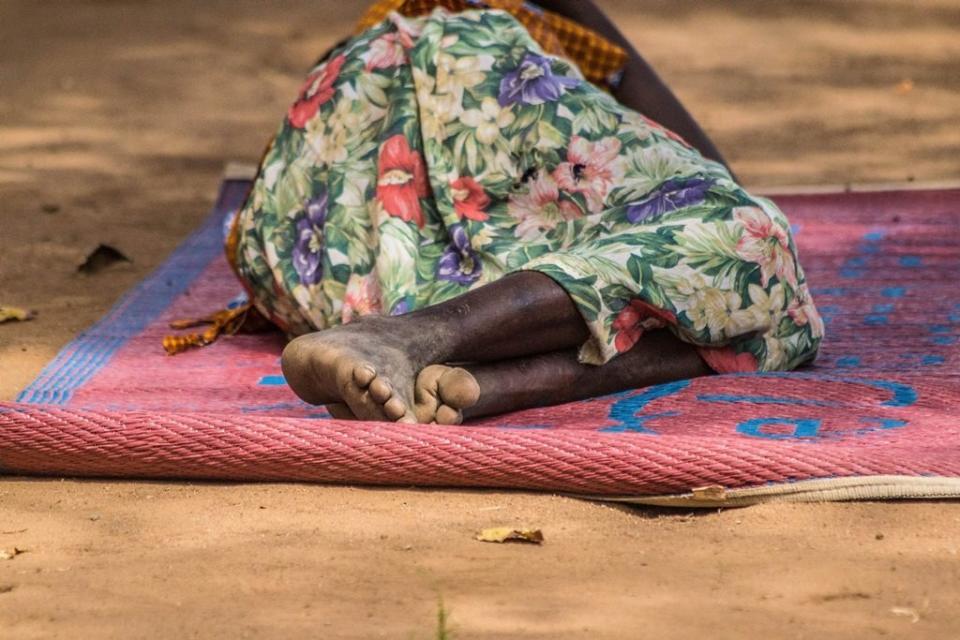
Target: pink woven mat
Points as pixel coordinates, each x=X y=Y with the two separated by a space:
x=880 y=401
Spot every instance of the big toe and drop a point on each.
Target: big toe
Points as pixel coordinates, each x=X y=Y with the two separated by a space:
x=363 y=374
x=458 y=388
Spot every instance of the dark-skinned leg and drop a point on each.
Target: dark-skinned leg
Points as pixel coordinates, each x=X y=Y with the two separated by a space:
x=392 y=368
x=641 y=88
x=559 y=377
x=371 y=365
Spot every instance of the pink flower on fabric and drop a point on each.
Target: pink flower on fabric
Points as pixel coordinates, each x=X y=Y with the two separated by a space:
x=361 y=298
x=540 y=209
x=726 y=360
x=637 y=318
x=401 y=180
x=469 y=199
x=765 y=243
x=384 y=52
x=592 y=168
x=316 y=91
x=407 y=31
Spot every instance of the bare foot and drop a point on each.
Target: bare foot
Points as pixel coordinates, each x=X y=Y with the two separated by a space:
x=442 y=393
x=364 y=365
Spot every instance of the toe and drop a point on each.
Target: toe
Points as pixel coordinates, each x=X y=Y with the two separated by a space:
x=356 y=397
x=364 y=374
x=458 y=388
x=427 y=385
x=380 y=390
x=448 y=415
x=395 y=408
x=425 y=393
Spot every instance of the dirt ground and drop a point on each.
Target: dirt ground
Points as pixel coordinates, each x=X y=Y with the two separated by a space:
x=115 y=121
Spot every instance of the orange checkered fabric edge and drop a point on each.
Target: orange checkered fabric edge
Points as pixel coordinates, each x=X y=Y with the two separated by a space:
x=599 y=60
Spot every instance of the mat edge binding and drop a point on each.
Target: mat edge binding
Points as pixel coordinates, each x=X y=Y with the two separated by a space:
x=881 y=487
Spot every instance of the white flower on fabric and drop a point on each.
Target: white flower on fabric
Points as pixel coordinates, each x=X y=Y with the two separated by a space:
x=488 y=120
x=763 y=314
x=437 y=109
x=685 y=280
x=455 y=74
x=713 y=309
x=540 y=209
x=765 y=243
x=330 y=138
x=483 y=237
x=776 y=355
x=592 y=168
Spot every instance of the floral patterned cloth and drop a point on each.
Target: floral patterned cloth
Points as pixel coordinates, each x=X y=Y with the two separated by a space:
x=600 y=60
x=429 y=156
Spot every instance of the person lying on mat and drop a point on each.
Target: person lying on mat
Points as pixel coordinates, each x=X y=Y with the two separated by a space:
x=456 y=222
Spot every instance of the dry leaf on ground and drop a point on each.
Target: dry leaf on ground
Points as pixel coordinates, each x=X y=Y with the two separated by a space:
x=509 y=534
x=10 y=554
x=101 y=258
x=907 y=612
x=10 y=314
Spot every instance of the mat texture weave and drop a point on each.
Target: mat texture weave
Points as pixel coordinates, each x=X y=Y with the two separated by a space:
x=876 y=417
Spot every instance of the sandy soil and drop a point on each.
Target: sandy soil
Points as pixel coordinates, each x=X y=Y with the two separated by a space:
x=115 y=120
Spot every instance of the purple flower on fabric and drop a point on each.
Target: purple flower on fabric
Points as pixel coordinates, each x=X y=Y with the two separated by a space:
x=401 y=307
x=533 y=82
x=308 y=251
x=459 y=262
x=673 y=194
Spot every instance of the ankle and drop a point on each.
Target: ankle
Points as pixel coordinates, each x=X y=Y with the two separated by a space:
x=423 y=340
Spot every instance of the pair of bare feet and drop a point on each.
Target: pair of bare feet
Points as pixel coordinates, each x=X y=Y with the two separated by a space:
x=519 y=336
x=370 y=370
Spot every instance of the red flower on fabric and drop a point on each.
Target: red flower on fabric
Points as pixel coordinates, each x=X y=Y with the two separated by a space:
x=637 y=318
x=401 y=180
x=315 y=92
x=469 y=198
x=726 y=360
